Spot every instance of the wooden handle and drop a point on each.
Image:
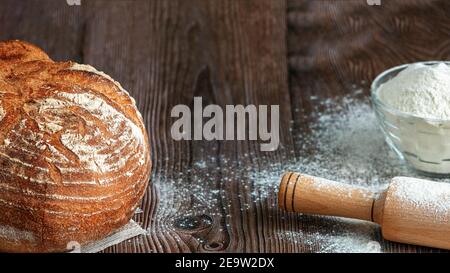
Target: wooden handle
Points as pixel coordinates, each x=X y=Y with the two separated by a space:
x=308 y=194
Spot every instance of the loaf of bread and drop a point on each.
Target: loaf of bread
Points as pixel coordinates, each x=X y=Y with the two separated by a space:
x=74 y=153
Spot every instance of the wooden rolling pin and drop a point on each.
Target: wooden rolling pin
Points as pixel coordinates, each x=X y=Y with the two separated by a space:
x=410 y=210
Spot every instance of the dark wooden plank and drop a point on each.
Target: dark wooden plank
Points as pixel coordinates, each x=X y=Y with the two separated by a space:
x=51 y=24
x=168 y=52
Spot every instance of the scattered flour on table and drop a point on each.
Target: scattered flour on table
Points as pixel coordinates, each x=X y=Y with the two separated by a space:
x=340 y=141
x=348 y=236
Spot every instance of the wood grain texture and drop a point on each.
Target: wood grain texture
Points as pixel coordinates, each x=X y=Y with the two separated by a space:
x=228 y=52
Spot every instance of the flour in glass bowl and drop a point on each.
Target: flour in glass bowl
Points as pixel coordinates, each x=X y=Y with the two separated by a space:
x=420 y=90
x=415 y=114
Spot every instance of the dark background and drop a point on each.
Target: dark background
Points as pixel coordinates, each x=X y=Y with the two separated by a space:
x=231 y=52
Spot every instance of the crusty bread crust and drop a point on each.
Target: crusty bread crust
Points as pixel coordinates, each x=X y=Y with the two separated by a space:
x=74 y=152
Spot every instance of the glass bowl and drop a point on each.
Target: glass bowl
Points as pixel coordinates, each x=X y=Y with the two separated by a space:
x=422 y=143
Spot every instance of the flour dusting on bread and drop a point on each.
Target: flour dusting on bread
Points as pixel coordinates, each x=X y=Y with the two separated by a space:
x=89 y=68
x=11 y=232
x=73 y=149
x=2 y=112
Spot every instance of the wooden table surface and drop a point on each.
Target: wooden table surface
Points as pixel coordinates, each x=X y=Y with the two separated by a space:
x=229 y=52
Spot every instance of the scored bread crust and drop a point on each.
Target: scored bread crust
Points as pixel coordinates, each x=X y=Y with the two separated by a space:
x=74 y=152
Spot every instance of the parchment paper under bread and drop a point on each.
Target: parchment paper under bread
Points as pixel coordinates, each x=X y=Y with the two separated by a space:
x=130 y=230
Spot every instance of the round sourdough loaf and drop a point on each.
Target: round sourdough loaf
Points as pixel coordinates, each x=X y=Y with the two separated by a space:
x=74 y=153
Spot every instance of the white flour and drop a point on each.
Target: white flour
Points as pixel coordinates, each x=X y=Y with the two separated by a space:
x=421 y=90
x=12 y=233
x=2 y=112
